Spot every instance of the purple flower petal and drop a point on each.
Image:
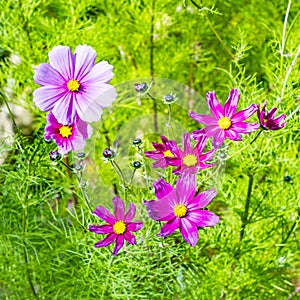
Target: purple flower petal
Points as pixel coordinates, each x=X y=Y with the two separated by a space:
x=243 y=127
x=212 y=130
x=201 y=144
x=186 y=143
x=162 y=188
x=203 y=199
x=208 y=155
x=118 y=208
x=62 y=60
x=279 y=119
x=231 y=103
x=244 y=114
x=271 y=113
x=63 y=109
x=204 y=119
x=189 y=231
x=186 y=187
x=131 y=213
x=218 y=139
x=203 y=218
x=160 y=210
x=198 y=134
x=119 y=244
x=173 y=161
x=172 y=146
x=46 y=97
x=85 y=57
x=170 y=227
x=85 y=129
x=45 y=74
x=101 y=73
x=130 y=238
x=134 y=226
x=214 y=105
x=101 y=229
x=232 y=135
x=106 y=241
x=105 y=215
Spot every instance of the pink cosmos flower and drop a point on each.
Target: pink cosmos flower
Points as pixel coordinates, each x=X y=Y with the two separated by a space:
x=180 y=208
x=267 y=119
x=162 y=152
x=72 y=85
x=69 y=137
x=190 y=159
x=225 y=122
x=119 y=226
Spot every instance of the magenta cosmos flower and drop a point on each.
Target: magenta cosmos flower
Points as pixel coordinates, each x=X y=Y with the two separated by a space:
x=72 y=85
x=267 y=119
x=181 y=208
x=190 y=159
x=225 y=122
x=67 y=137
x=119 y=226
x=161 y=152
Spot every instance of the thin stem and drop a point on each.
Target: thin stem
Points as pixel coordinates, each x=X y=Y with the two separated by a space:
x=5 y=100
x=152 y=62
x=121 y=175
x=283 y=35
x=247 y=206
x=155 y=112
x=214 y=31
x=24 y=229
x=256 y=137
x=288 y=73
x=290 y=231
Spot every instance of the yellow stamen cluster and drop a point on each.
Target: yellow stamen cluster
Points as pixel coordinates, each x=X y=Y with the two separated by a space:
x=65 y=131
x=190 y=160
x=168 y=153
x=180 y=210
x=224 y=123
x=73 y=85
x=119 y=227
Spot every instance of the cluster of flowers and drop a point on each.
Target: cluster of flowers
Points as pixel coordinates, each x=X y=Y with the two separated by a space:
x=74 y=90
x=71 y=86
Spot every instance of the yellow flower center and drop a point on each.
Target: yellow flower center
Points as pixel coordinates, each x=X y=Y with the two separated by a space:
x=168 y=153
x=180 y=210
x=119 y=227
x=190 y=160
x=73 y=85
x=224 y=123
x=65 y=131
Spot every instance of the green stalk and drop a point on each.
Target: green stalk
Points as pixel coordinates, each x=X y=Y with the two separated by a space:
x=246 y=210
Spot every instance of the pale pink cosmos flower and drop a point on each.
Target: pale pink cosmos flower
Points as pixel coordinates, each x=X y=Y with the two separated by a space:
x=225 y=122
x=73 y=85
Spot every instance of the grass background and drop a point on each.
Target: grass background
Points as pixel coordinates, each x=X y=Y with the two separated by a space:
x=46 y=251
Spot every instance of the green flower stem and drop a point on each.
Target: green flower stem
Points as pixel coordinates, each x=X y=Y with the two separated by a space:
x=5 y=100
x=214 y=31
x=284 y=240
x=24 y=230
x=71 y=173
x=246 y=210
x=155 y=112
x=256 y=137
x=121 y=175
